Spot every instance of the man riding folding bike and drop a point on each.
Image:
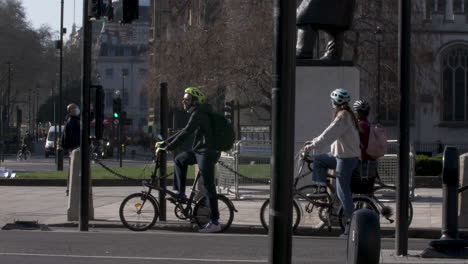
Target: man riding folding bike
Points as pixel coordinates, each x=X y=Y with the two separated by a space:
x=202 y=153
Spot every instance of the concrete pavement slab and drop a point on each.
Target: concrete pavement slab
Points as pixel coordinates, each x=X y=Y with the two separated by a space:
x=389 y=257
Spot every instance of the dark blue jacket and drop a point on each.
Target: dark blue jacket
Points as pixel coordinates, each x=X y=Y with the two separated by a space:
x=71 y=135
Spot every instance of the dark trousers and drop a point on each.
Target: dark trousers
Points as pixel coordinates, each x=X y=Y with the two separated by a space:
x=206 y=164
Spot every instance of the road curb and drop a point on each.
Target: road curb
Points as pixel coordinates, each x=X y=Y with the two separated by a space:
x=424 y=233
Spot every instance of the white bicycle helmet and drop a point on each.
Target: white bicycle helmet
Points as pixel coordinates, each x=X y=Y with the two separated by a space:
x=361 y=105
x=340 y=96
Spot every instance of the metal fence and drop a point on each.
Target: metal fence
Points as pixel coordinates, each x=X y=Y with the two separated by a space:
x=389 y=165
x=432 y=149
x=246 y=171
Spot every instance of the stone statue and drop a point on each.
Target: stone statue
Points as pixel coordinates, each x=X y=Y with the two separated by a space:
x=331 y=16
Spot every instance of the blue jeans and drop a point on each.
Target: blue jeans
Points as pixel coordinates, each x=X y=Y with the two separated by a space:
x=343 y=170
x=206 y=164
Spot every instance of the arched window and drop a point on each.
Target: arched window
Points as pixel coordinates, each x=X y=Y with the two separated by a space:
x=454 y=71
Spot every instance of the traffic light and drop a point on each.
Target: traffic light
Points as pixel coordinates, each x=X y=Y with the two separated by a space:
x=117 y=107
x=129 y=11
x=101 y=8
x=229 y=109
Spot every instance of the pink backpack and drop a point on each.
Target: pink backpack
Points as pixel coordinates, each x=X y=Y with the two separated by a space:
x=377 y=146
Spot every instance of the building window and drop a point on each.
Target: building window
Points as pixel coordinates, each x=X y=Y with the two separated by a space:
x=454 y=84
x=109 y=98
x=125 y=72
x=109 y=73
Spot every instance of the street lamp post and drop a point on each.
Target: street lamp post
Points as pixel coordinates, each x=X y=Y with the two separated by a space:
x=379 y=38
x=59 y=150
x=8 y=96
x=36 y=111
x=122 y=118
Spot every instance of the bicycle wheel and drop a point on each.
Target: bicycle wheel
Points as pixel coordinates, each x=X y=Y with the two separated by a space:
x=359 y=203
x=19 y=155
x=201 y=213
x=138 y=212
x=265 y=215
x=27 y=155
x=386 y=199
x=317 y=211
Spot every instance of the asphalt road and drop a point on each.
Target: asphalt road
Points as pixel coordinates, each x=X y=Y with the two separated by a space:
x=118 y=247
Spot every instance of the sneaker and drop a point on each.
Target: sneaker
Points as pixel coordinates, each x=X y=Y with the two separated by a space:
x=180 y=199
x=211 y=228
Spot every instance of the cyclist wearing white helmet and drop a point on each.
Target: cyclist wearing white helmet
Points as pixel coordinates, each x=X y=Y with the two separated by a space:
x=362 y=108
x=343 y=136
x=202 y=153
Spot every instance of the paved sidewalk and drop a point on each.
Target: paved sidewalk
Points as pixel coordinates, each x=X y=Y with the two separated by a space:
x=48 y=205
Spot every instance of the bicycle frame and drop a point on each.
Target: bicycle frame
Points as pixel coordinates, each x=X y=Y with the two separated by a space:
x=331 y=195
x=154 y=178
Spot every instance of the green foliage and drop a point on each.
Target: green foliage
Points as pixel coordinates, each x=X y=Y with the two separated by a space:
x=428 y=166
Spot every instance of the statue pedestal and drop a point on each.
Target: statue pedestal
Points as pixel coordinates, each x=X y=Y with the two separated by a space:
x=313 y=104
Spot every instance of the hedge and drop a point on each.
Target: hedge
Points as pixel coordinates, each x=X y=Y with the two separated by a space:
x=428 y=166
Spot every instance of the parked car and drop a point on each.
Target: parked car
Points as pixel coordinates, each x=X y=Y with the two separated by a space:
x=50 y=140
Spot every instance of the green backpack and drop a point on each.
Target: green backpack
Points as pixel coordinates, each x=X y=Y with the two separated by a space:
x=223 y=132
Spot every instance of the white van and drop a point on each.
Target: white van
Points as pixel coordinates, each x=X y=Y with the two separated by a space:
x=50 y=140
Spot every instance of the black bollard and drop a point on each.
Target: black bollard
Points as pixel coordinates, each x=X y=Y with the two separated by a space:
x=449 y=245
x=450 y=194
x=364 y=238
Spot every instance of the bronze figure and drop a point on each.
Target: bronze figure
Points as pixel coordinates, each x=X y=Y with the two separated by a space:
x=331 y=16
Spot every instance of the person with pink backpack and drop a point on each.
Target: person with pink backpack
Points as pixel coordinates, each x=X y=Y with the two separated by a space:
x=373 y=144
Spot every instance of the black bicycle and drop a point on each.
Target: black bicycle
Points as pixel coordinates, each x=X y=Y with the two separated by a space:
x=23 y=153
x=315 y=210
x=325 y=211
x=139 y=211
x=382 y=200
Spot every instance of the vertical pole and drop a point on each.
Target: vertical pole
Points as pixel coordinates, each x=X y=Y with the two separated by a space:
x=85 y=92
x=283 y=99
x=8 y=100
x=2 y=127
x=401 y=241
x=238 y=121
x=121 y=121
x=29 y=112
x=36 y=110
x=163 y=170
x=59 y=153
x=378 y=81
x=54 y=124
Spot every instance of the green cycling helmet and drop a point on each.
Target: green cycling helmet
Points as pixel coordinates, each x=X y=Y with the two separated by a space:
x=195 y=92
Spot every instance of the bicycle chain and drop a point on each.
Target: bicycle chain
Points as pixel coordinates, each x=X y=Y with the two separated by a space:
x=118 y=174
x=242 y=176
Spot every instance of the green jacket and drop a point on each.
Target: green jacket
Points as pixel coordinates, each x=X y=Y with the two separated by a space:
x=200 y=124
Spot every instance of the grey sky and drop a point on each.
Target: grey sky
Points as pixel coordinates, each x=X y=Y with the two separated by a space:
x=41 y=12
